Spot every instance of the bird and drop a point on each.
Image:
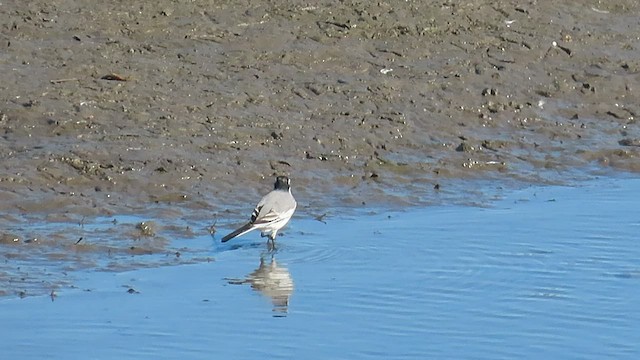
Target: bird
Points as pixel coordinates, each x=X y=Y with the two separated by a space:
x=272 y=213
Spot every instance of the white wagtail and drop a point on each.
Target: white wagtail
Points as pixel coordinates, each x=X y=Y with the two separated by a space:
x=272 y=212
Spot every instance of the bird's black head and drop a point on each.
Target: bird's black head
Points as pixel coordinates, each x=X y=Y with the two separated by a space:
x=282 y=183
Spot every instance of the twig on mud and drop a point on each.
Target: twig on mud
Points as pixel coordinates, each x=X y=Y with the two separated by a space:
x=114 y=77
x=212 y=229
x=57 y=81
x=321 y=218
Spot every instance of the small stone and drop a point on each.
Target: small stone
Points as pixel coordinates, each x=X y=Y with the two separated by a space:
x=489 y=91
x=147 y=228
x=629 y=142
x=465 y=147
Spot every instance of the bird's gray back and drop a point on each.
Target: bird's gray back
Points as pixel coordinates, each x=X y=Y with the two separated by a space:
x=275 y=202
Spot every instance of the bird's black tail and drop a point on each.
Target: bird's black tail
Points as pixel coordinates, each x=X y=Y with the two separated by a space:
x=242 y=230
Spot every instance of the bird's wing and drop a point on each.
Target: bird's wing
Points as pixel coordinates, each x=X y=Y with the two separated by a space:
x=272 y=207
x=270 y=216
x=256 y=213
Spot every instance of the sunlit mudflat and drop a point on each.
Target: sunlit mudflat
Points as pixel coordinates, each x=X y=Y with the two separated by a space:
x=548 y=272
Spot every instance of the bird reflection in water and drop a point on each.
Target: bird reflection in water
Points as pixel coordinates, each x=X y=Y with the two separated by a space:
x=273 y=281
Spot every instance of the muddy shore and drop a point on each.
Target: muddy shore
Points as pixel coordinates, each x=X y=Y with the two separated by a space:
x=110 y=108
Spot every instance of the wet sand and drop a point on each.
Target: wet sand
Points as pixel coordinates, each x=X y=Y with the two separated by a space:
x=193 y=107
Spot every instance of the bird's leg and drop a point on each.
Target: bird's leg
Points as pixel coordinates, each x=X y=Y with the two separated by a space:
x=271 y=243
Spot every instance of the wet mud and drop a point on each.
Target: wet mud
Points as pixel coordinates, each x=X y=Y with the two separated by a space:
x=177 y=110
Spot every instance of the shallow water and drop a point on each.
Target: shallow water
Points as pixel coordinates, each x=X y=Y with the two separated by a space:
x=547 y=272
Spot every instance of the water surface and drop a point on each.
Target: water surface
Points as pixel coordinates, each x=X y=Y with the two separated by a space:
x=547 y=272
